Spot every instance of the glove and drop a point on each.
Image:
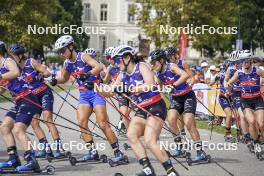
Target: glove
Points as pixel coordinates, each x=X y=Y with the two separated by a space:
x=53 y=82
x=121 y=89
x=89 y=85
x=39 y=77
x=217 y=78
x=83 y=77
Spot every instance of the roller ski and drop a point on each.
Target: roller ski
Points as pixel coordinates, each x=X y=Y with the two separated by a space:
x=59 y=154
x=246 y=139
x=48 y=170
x=126 y=146
x=259 y=151
x=92 y=157
x=119 y=159
x=251 y=147
x=179 y=152
x=239 y=135
x=44 y=152
x=230 y=139
x=201 y=158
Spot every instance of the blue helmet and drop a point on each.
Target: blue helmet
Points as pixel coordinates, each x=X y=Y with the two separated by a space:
x=157 y=54
x=170 y=51
x=17 y=49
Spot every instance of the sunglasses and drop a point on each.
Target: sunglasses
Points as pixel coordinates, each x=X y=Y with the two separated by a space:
x=62 y=50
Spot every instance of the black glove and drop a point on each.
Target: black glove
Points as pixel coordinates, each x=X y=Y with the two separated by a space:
x=217 y=78
x=121 y=89
x=39 y=77
x=53 y=82
x=89 y=85
x=83 y=77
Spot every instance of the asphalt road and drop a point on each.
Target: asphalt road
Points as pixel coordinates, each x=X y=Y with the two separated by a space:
x=239 y=162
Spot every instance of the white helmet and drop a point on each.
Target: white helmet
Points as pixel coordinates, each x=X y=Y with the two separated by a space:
x=121 y=50
x=234 y=55
x=108 y=51
x=245 y=54
x=91 y=52
x=63 y=41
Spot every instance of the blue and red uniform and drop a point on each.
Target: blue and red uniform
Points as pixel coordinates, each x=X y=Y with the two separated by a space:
x=150 y=100
x=24 y=109
x=236 y=92
x=224 y=98
x=38 y=86
x=77 y=68
x=182 y=97
x=250 y=91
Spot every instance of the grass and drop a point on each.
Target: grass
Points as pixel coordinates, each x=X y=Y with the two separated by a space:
x=56 y=89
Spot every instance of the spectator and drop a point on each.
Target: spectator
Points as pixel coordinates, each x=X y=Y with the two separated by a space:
x=213 y=75
x=199 y=76
x=206 y=72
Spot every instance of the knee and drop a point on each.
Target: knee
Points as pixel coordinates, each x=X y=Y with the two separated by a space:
x=5 y=128
x=35 y=124
x=150 y=142
x=103 y=124
x=17 y=131
x=251 y=121
x=132 y=137
x=261 y=124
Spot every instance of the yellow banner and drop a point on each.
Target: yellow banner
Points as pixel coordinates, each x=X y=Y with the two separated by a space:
x=213 y=102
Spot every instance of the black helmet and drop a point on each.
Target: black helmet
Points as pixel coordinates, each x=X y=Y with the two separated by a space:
x=17 y=49
x=2 y=48
x=170 y=51
x=157 y=54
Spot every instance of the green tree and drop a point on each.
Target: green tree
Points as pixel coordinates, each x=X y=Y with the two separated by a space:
x=179 y=13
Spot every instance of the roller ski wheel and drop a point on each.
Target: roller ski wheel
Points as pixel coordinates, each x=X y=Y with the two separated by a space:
x=48 y=170
x=259 y=152
x=101 y=159
x=63 y=157
x=190 y=161
x=113 y=163
x=251 y=148
x=118 y=174
x=126 y=146
x=230 y=139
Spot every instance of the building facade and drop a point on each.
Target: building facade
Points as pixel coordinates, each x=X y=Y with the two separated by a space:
x=110 y=22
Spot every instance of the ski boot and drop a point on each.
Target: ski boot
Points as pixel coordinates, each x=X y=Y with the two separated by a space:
x=251 y=147
x=10 y=163
x=59 y=154
x=246 y=138
x=201 y=158
x=31 y=165
x=229 y=138
x=259 y=151
x=119 y=159
x=126 y=146
x=179 y=153
x=45 y=151
x=147 y=171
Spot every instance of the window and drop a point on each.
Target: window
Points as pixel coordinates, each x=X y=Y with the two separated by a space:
x=102 y=43
x=130 y=43
x=103 y=14
x=87 y=11
x=131 y=16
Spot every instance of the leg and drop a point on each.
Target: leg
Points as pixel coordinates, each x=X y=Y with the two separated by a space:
x=20 y=133
x=172 y=121
x=249 y=114
x=228 y=120
x=135 y=131
x=189 y=121
x=260 y=120
x=6 y=131
x=83 y=114
x=53 y=129
x=36 y=128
